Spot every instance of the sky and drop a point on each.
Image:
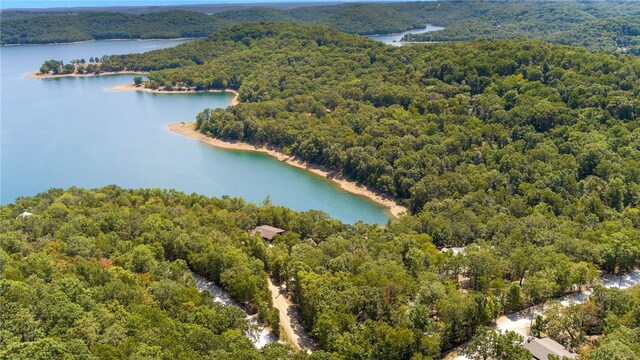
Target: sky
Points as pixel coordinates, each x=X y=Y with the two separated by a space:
x=7 y=4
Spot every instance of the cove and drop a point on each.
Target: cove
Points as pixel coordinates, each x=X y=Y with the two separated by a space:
x=393 y=39
x=75 y=132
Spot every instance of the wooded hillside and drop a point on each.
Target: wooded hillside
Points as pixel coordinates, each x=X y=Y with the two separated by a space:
x=598 y=26
x=371 y=18
x=526 y=153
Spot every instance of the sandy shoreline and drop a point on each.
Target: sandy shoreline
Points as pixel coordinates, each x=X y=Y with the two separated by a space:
x=133 y=87
x=187 y=129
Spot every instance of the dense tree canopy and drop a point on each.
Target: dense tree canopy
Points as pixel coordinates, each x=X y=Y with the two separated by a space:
x=527 y=153
x=601 y=25
x=371 y=19
x=490 y=344
x=105 y=275
x=597 y=25
x=107 y=25
x=521 y=124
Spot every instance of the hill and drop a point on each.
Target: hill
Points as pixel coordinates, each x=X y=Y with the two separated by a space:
x=598 y=26
x=602 y=25
x=373 y=18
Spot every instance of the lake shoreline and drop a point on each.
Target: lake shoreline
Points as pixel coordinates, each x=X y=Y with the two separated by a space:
x=403 y=42
x=106 y=73
x=133 y=87
x=410 y=31
x=94 y=40
x=396 y=210
x=196 y=38
x=187 y=129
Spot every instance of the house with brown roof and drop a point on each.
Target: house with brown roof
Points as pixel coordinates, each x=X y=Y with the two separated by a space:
x=267 y=232
x=542 y=348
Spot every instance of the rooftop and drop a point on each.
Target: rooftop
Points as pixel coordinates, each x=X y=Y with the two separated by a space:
x=542 y=348
x=267 y=232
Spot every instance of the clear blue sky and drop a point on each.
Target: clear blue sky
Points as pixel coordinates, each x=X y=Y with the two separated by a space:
x=7 y=4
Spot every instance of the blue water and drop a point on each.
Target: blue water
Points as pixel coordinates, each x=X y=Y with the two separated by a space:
x=392 y=39
x=75 y=132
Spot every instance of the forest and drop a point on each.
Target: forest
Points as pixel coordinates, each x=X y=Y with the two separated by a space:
x=525 y=152
x=105 y=274
x=598 y=25
x=93 y=25
x=22 y=13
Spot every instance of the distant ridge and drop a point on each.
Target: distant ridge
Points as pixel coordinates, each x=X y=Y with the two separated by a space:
x=373 y=18
x=21 y=13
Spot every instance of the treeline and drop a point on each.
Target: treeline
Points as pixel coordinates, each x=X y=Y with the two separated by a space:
x=602 y=25
x=20 y=13
x=76 y=66
x=106 y=25
x=372 y=19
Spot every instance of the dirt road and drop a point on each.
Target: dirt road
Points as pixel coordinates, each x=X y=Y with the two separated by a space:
x=290 y=320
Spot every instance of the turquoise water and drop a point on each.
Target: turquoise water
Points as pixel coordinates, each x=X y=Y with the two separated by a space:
x=75 y=132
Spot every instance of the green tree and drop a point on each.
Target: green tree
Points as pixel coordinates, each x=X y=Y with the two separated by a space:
x=142 y=259
x=514 y=300
x=565 y=324
x=619 y=254
x=490 y=344
x=614 y=350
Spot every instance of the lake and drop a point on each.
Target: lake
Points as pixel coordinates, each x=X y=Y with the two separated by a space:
x=392 y=39
x=75 y=132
